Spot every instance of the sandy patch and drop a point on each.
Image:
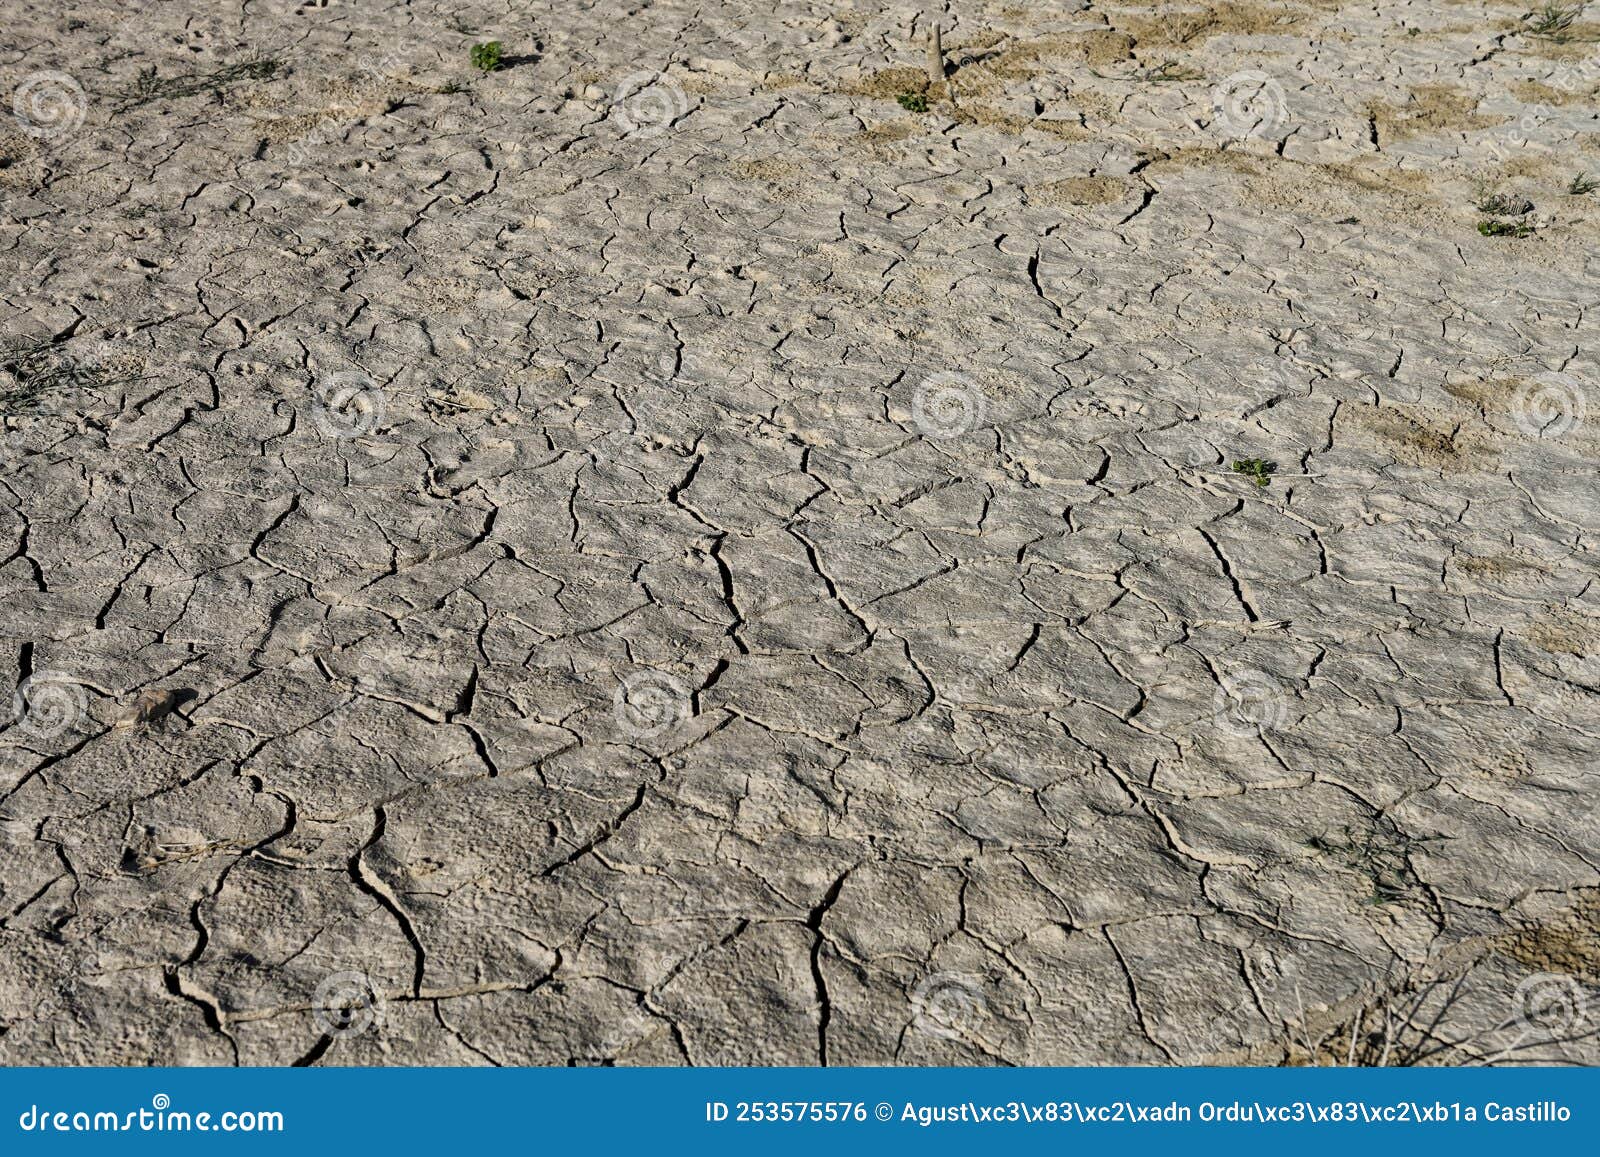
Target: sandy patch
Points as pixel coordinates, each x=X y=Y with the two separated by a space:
x=1079 y=191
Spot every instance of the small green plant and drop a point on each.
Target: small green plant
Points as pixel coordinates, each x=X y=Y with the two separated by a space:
x=1502 y=204
x=1582 y=185
x=913 y=101
x=1504 y=229
x=1555 y=21
x=486 y=57
x=449 y=88
x=1258 y=470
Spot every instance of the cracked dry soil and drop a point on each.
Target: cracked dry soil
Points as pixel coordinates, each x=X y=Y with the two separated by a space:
x=663 y=553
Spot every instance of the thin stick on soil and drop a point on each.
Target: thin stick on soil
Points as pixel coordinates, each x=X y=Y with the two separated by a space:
x=936 y=56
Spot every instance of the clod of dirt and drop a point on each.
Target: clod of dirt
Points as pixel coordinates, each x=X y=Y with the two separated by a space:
x=153 y=705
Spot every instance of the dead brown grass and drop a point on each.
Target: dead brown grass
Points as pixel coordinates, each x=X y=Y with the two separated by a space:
x=1190 y=29
x=1430 y=109
x=1537 y=92
x=1569 y=945
x=1414 y=435
x=1565 y=632
x=1079 y=191
x=889 y=83
x=768 y=169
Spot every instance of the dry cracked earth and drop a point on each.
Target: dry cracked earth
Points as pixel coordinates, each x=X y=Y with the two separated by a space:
x=713 y=543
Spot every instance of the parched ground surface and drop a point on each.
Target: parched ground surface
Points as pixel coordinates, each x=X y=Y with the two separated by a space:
x=664 y=553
